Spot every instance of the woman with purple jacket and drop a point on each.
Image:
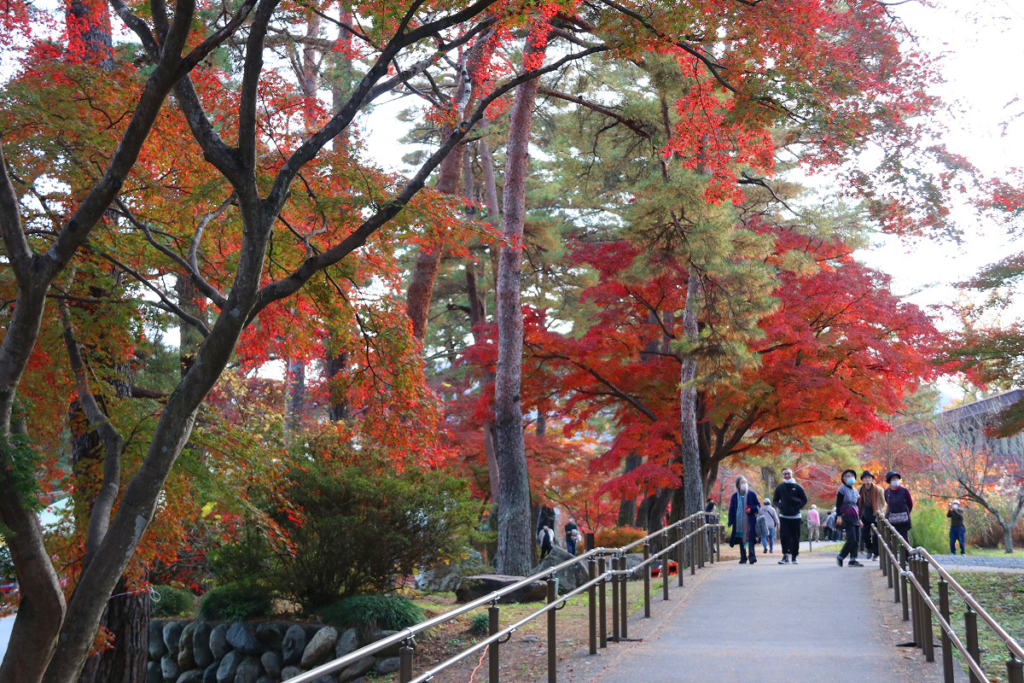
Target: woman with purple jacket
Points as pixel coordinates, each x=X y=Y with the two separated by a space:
x=898 y=504
x=743 y=509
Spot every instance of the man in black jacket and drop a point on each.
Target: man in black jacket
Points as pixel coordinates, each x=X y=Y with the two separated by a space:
x=789 y=500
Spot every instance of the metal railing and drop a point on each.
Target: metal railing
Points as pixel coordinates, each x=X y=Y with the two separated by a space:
x=689 y=540
x=908 y=570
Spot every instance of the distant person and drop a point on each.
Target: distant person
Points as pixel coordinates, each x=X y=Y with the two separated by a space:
x=710 y=517
x=789 y=499
x=743 y=508
x=572 y=533
x=872 y=502
x=957 y=530
x=771 y=525
x=899 y=504
x=813 y=524
x=830 y=525
x=847 y=499
x=546 y=538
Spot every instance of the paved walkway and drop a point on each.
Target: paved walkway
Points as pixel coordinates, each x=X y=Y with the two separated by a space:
x=810 y=623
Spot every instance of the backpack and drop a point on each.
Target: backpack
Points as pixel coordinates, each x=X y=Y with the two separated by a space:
x=762 y=526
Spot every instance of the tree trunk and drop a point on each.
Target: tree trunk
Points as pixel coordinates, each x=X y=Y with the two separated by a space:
x=627 y=507
x=693 y=492
x=296 y=399
x=127 y=618
x=514 y=534
x=1008 y=538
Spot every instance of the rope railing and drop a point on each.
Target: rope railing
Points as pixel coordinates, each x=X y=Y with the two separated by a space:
x=908 y=570
x=691 y=540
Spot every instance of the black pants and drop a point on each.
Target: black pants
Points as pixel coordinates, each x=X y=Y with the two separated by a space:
x=903 y=530
x=852 y=541
x=790 y=537
x=747 y=550
x=869 y=539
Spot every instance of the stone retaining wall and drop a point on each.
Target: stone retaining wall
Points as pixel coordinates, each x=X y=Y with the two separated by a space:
x=255 y=652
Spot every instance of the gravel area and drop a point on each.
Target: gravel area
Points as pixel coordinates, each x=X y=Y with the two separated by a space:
x=981 y=561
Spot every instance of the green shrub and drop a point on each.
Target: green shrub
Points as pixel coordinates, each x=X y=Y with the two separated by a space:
x=930 y=526
x=480 y=624
x=372 y=613
x=169 y=601
x=363 y=526
x=235 y=601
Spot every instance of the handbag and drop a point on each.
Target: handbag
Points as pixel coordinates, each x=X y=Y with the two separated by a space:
x=899 y=517
x=839 y=521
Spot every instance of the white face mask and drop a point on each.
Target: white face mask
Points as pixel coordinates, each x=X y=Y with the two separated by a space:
x=787 y=477
x=895 y=483
x=743 y=488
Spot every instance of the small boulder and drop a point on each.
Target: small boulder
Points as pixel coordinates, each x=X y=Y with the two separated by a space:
x=320 y=647
x=201 y=652
x=266 y=679
x=270 y=635
x=193 y=676
x=290 y=672
x=219 y=642
x=356 y=669
x=388 y=665
x=169 y=667
x=473 y=587
x=228 y=667
x=248 y=671
x=186 y=660
x=569 y=578
x=242 y=637
x=348 y=642
x=157 y=649
x=271 y=662
x=153 y=673
x=172 y=635
x=390 y=650
x=210 y=674
x=293 y=644
x=327 y=678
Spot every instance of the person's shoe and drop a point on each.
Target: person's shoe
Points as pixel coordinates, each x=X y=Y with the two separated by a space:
x=839 y=560
x=743 y=561
x=855 y=563
x=784 y=560
x=754 y=561
x=794 y=561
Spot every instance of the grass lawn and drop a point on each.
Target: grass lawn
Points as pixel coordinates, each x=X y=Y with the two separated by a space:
x=1002 y=596
x=994 y=552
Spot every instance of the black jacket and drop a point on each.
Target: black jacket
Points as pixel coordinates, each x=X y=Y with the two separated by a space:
x=789 y=499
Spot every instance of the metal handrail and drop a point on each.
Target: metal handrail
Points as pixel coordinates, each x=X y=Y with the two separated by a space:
x=918 y=604
x=405 y=636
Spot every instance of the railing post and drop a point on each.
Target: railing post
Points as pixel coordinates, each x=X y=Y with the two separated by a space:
x=947 y=644
x=700 y=546
x=711 y=542
x=903 y=583
x=666 y=557
x=405 y=662
x=615 y=599
x=602 y=606
x=894 y=569
x=691 y=552
x=1014 y=670
x=592 y=599
x=647 y=580
x=926 y=614
x=915 y=604
x=552 y=634
x=882 y=563
x=680 y=549
x=971 y=626
x=493 y=613
x=624 y=629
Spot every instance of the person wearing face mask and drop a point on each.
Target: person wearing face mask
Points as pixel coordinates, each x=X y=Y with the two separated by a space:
x=789 y=499
x=813 y=524
x=899 y=504
x=871 y=503
x=847 y=502
x=743 y=508
x=957 y=530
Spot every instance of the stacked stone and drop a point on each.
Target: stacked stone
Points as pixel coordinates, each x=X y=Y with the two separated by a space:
x=249 y=652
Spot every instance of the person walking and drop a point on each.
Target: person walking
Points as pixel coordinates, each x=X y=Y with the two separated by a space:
x=546 y=538
x=847 y=499
x=710 y=517
x=571 y=536
x=830 y=525
x=898 y=505
x=743 y=508
x=957 y=530
x=872 y=501
x=771 y=525
x=813 y=524
x=789 y=498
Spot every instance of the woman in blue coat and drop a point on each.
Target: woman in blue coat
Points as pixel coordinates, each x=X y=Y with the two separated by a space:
x=743 y=519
